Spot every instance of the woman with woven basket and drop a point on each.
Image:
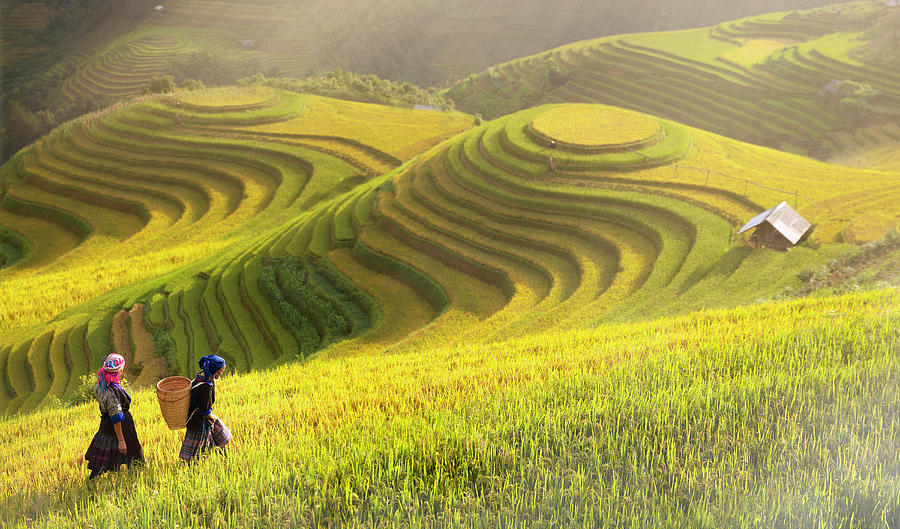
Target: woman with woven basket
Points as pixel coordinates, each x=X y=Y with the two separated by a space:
x=116 y=441
x=205 y=431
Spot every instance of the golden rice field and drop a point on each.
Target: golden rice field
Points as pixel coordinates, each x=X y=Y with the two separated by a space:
x=432 y=323
x=476 y=237
x=775 y=414
x=595 y=126
x=34 y=294
x=753 y=50
x=759 y=79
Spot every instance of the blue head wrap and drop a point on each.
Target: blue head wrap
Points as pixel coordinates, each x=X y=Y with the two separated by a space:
x=210 y=364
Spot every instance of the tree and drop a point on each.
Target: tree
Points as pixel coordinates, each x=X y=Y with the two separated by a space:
x=854 y=106
x=159 y=85
x=192 y=84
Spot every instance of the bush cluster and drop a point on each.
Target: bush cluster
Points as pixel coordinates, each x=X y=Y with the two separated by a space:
x=355 y=87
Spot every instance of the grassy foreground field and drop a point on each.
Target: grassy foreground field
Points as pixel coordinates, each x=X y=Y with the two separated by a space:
x=770 y=415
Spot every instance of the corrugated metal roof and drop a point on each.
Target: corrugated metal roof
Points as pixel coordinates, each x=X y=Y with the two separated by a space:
x=784 y=219
x=757 y=220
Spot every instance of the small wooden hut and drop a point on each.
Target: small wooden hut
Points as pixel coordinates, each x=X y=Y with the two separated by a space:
x=779 y=228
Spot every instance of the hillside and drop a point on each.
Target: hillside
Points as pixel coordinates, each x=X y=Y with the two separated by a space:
x=268 y=225
x=764 y=79
x=137 y=192
x=63 y=59
x=423 y=42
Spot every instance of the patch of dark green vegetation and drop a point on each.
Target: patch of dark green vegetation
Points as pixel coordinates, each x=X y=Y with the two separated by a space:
x=355 y=87
x=163 y=342
x=13 y=247
x=314 y=302
x=874 y=265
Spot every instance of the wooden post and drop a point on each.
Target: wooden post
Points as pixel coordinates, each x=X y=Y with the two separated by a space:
x=676 y=170
x=707 y=177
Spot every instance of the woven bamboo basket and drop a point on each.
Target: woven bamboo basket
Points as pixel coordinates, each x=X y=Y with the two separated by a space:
x=174 y=396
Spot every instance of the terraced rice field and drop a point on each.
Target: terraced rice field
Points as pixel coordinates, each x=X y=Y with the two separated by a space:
x=758 y=79
x=545 y=319
x=16 y=31
x=875 y=146
x=123 y=199
x=266 y=225
x=596 y=128
x=128 y=63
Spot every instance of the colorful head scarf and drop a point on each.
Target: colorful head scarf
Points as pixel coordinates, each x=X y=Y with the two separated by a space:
x=210 y=364
x=110 y=370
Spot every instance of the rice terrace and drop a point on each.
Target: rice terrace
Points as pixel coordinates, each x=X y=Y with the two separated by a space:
x=460 y=266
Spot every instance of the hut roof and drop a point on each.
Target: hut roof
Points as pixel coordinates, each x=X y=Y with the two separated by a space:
x=831 y=86
x=784 y=219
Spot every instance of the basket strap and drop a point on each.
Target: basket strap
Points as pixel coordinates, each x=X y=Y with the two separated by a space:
x=195 y=411
x=186 y=421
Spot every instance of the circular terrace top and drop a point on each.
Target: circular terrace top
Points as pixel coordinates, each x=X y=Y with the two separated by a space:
x=595 y=126
x=229 y=97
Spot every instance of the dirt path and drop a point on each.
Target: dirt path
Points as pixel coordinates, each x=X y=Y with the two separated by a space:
x=143 y=367
x=121 y=342
x=154 y=367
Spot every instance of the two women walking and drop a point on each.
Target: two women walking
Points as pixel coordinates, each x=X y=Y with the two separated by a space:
x=116 y=441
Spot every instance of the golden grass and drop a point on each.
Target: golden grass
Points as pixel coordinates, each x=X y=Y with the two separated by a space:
x=53 y=281
x=401 y=132
x=304 y=416
x=227 y=96
x=595 y=125
x=753 y=51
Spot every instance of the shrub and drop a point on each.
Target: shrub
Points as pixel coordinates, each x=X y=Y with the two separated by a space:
x=84 y=391
x=192 y=84
x=348 y=85
x=164 y=345
x=159 y=85
x=52 y=402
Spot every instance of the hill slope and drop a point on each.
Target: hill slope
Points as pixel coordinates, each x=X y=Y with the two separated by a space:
x=122 y=199
x=424 y=42
x=761 y=79
x=475 y=240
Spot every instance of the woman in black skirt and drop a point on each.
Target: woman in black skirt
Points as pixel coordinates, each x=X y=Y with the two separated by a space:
x=204 y=431
x=116 y=440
